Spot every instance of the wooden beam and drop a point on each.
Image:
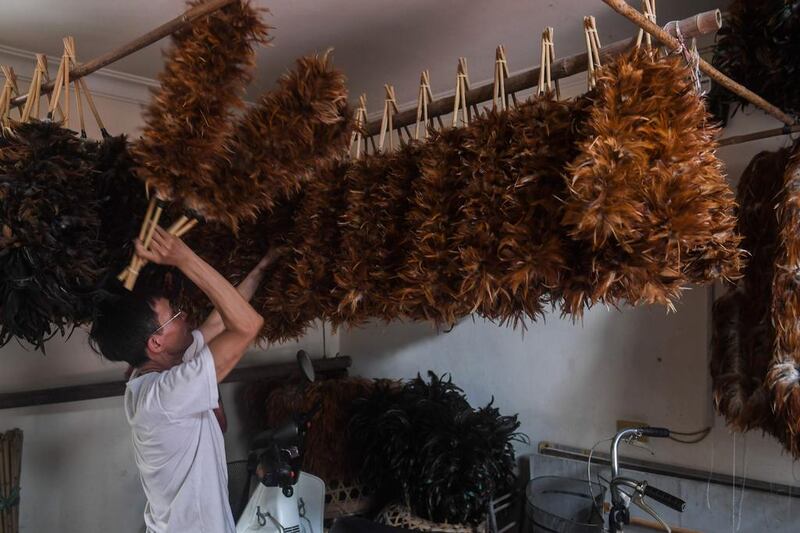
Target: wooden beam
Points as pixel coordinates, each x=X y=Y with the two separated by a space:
x=75 y=393
x=178 y=23
x=694 y=26
x=622 y=7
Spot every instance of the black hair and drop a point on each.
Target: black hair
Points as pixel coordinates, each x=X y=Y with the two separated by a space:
x=123 y=321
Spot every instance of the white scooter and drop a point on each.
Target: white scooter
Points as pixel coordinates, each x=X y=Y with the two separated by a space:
x=286 y=500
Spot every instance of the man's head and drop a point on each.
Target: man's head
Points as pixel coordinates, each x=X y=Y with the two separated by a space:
x=137 y=328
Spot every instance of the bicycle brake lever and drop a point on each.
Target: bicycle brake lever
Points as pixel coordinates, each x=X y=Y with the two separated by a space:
x=638 y=500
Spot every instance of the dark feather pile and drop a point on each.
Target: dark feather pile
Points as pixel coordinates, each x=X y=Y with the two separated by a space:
x=191 y=115
x=758 y=48
x=425 y=445
x=431 y=277
x=783 y=379
x=279 y=143
x=374 y=234
x=647 y=193
x=328 y=454
x=51 y=255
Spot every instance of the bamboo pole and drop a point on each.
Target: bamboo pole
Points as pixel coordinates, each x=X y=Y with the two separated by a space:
x=755 y=136
x=621 y=7
x=694 y=26
x=4 y=470
x=17 y=475
x=178 y=23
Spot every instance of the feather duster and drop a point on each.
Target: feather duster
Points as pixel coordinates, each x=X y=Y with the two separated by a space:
x=284 y=319
x=374 y=234
x=187 y=123
x=279 y=143
x=784 y=373
x=327 y=453
x=50 y=253
x=742 y=331
x=487 y=176
x=647 y=193
x=539 y=259
x=318 y=243
x=431 y=278
x=758 y=47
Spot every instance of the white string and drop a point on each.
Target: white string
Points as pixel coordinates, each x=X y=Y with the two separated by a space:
x=710 y=474
x=733 y=487
x=692 y=59
x=744 y=480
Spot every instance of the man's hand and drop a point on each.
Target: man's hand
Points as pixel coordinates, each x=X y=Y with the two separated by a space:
x=270 y=257
x=165 y=249
x=213 y=325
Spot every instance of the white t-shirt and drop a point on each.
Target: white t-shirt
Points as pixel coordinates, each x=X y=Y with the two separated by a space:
x=179 y=447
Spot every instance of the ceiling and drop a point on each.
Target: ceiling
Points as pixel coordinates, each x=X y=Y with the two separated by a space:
x=375 y=42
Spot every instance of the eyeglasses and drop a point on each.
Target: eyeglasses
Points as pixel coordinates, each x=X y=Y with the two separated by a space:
x=165 y=324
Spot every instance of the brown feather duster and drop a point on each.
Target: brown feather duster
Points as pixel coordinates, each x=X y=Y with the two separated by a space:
x=327 y=452
x=784 y=373
x=191 y=115
x=487 y=176
x=540 y=261
x=647 y=193
x=279 y=143
x=742 y=330
x=431 y=278
x=299 y=288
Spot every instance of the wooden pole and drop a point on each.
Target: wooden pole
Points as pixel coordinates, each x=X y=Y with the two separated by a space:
x=178 y=23
x=325 y=366
x=621 y=7
x=766 y=134
x=694 y=26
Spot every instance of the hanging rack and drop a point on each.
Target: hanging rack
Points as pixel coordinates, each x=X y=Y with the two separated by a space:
x=180 y=22
x=704 y=23
x=621 y=7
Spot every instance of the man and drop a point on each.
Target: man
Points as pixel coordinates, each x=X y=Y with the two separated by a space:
x=172 y=393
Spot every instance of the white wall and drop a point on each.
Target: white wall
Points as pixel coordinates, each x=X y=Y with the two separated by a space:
x=571 y=382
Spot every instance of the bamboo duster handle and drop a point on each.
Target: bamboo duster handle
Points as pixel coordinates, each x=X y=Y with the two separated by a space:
x=10 y=75
x=80 y=84
x=34 y=86
x=671 y=42
x=142 y=231
x=55 y=96
x=180 y=228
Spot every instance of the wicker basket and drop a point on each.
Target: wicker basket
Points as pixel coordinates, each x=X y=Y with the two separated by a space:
x=346 y=499
x=397 y=515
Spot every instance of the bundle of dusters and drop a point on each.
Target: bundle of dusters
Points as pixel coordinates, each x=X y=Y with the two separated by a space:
x=50 y=255
x=191 y=117
x=614 y=197
x=328 y=454
x=424 y=446
x=758 y=48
